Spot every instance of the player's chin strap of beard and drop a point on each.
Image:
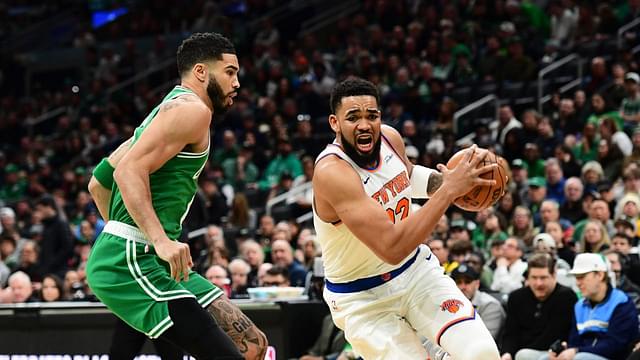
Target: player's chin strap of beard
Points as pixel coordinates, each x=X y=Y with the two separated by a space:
x=419 y=179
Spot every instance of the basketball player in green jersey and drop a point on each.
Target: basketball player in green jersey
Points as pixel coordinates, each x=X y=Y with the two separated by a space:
x=136 y=267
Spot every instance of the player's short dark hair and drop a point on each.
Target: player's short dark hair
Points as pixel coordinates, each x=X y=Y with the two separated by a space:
x=201 y=47
x=352 y=86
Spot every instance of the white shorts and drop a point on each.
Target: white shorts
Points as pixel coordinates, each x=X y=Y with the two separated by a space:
x=386 y=322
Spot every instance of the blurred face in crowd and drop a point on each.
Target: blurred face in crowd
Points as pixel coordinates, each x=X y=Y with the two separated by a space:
x=505 y=114
x=50 y=291
x=253 y=254
x=217 y=275
x=281 y=253
x=597 y=103
x=468 y=286
x=549 y=211
x=266 y=225
x=274 y=280
x=591 y=283
x=537 y=193
x=614 y=262
x=541 y=282
x=630 y=209
x=553 y=173
x=357 y=124
x=554 y=229
x=599 y=210
x=511 y=249
x=621 y=244
x=573 y=189
x=438 y=249
x=239 y=273
x=21 y=289
x=593 y=233
x=521 y=218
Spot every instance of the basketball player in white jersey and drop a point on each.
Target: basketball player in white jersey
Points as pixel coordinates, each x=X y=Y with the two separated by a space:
x=384 y=288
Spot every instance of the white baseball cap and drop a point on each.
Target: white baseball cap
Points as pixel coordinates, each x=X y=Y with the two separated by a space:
x=546 y=239
x=633 y=77
x=588 y=262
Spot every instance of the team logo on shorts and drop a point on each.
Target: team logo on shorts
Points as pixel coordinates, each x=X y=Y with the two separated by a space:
x=451 y=305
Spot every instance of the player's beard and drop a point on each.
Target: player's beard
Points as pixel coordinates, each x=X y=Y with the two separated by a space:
x=362 y=160
x=217 y=96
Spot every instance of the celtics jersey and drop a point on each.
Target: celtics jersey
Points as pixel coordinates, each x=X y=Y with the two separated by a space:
x=173 y=186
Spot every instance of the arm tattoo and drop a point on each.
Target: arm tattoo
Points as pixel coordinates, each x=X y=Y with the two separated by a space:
x=177 y=102
x=251 y=342
x=434 y=182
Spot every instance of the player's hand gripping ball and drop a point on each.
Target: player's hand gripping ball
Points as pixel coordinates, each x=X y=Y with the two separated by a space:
x=483 y=196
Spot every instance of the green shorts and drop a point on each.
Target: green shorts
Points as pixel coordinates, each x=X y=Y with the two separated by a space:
x=135 y=284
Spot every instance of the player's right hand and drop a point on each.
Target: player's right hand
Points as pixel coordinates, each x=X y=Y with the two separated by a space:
x=178 y=256
x=466 y=175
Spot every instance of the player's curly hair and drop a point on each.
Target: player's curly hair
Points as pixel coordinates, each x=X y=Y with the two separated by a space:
x=352 y=86
x=201 y=47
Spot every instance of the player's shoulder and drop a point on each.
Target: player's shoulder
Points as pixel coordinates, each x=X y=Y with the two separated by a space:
x=392 y=135
x=332 y=169
x=186 y=104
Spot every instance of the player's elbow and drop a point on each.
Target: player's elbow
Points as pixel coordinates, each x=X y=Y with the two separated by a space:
x=93 y=186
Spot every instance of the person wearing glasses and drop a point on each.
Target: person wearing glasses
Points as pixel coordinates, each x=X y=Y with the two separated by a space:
x=537 y=314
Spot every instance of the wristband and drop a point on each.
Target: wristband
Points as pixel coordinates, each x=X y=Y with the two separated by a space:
x=419 y=180
x=103 y=172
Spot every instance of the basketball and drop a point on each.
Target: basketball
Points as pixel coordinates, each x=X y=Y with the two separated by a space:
x=482 y=197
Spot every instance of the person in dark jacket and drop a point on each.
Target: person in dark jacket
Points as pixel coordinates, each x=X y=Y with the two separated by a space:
x=56 y=244
x=537 y=314
x=605 y=323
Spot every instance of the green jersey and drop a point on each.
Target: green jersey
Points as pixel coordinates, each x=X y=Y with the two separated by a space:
x=173 y=186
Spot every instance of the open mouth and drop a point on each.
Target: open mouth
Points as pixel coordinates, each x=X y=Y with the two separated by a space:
x=364 y=142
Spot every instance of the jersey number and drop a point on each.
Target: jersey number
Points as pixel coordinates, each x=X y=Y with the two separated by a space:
x=402 y=209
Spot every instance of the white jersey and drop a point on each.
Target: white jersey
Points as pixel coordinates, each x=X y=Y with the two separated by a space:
x=345 y=257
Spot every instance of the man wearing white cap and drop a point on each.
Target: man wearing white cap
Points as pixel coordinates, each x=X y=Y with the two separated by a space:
x=605 y=320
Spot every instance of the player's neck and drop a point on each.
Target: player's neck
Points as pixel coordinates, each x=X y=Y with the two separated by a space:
x=199 y=91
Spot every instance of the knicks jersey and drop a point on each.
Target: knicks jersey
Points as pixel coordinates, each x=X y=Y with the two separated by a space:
x=345 y=257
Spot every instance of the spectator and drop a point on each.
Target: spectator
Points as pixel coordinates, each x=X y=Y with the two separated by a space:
x=51 y=288
x=563 y=247
x=239 y=270
x=598 y=210
x=605 y=320
x=30 y=262
x=522 y=225
x=537 y=313
x=241 y=172
x=546 y=244
x=285 y=162
x=20 y=289
x=218 y=276
x=555 y=180
x=282 y=255
x=57 y=243
x=488 y=307
x=14 y=186
x=616 y=262
x=630 y=108
x=611 y=132
x=508 y=275
x=276 y=276
x=229 y=149
x=595 y=238
x=252 y=253
x=571 y=208
x=439 y=249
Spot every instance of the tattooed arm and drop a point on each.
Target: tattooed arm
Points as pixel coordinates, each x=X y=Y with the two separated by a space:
x=251 y=342
x=435 y=180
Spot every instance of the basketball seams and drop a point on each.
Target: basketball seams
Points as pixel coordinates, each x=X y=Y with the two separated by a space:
x=489 y=191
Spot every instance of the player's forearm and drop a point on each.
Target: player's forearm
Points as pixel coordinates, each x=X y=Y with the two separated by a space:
x=136 y=194
x=101 y=196
x=414 y=230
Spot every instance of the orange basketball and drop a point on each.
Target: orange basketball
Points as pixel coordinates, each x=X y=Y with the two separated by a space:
x=482 y=197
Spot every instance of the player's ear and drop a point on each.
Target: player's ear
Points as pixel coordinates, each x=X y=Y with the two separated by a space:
x=199 y=70
x=333 y=122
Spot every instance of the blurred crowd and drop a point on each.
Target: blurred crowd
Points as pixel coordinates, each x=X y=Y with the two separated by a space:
x=575 y=166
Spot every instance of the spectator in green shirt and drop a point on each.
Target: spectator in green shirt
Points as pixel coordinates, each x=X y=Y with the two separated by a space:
x=15 y=185
x=229 y=149
x=240 y=172
x=285 y=162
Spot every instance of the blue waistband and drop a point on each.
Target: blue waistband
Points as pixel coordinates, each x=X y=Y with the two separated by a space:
x=369 y=282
